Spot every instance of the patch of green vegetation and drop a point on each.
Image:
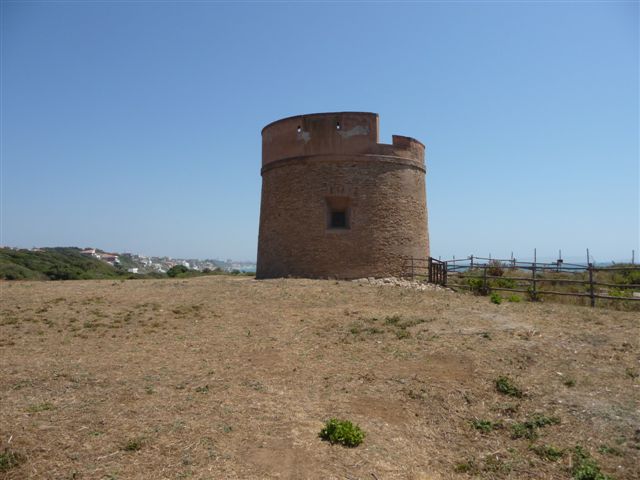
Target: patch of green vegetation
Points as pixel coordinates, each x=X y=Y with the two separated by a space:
x=485 y=426
x=585 y=467
x=547 y=452
x=607 y=450
x=529 y=429
x=10 y=459
x=631 y=373
x=503 y=283
x=496 y=298
x=534 y=296
x=403 y=333
x=392 y=320
x=468 y=466
x=514 y=298
x=477 y=286
x=203 y=389
x=495 y=464
x=620 y=292
x=506 y=386
x=343 y=432
x=569 y=382
x=133 y=444
x=59 y=263
x=40 y=407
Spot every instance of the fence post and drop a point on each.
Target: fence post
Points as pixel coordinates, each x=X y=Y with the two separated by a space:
x=430 y=272
x=484 y=281
x=444 y=274
x=593 y=298
x=534 y=295
x=412 y=270
x=471 y=262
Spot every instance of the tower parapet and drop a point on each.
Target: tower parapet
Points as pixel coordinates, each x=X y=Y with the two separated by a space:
x=336 y=202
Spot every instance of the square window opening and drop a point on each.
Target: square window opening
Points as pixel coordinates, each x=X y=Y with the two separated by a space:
x=338 y=213
x=338 y=219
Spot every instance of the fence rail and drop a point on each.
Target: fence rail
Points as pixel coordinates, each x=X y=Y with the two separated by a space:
x=484 y=275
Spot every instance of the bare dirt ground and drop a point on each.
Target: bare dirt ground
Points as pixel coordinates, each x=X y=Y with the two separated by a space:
x=229 y=377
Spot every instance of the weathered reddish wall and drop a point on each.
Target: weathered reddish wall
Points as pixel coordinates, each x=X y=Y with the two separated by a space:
x=306 y=160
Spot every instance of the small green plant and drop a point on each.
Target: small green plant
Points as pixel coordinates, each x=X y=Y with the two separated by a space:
x=9 y=459
x=506 y=386
x=495 y=268
x=485 y=426
x=133 y=444
x=585 y=467
x=392 y=320
x=607 y=450
x=203 y=389
x=477 y=286
x=514 y=298
x=619 y=292
x=496 y=298
x=504 y=283
x=569 y=382
x=469 y=467
x=403 y=333
x=529 y=428
x=523 y=430
x=534 y=296
x=547 y=452
x=40 y=407
x=343 y=432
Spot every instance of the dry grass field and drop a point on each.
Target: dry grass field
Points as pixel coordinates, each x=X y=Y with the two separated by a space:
x=229 y=377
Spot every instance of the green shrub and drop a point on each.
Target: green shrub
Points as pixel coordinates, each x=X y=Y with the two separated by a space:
x=585 y=467
x=392 y=320
x=548 y=452
x=496 y=298
x=506 y=386
x=495 y=268
x=9 y=459
x=177 y=271
x=514 y=298
x=343 y=432
x=504 y=283
x=485 y=426
x=534 y=296
x=607 y=450
x=529 y=428
x=619 y=292
x=133 y=444
x=403 y=333
x=477 y=285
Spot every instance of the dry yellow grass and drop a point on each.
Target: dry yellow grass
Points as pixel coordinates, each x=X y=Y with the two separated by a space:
x=223 y=377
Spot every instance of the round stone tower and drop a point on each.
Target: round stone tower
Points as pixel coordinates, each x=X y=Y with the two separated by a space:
x=338 y=204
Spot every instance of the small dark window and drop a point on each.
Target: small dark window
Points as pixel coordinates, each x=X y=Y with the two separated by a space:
x=339 y=219
x=338 y=213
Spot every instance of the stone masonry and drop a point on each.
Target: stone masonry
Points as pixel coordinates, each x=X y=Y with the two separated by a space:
x=338 y=204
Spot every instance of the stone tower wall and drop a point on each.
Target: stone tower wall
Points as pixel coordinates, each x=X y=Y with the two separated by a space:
x=313 y=165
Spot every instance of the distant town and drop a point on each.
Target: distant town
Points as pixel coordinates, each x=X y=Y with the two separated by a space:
x=140 y=264
x=135 y=263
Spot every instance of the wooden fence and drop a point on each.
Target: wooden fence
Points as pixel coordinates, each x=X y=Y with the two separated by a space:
x=485 y=275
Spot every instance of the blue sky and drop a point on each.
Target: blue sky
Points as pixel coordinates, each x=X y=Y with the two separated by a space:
x=135 y=126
